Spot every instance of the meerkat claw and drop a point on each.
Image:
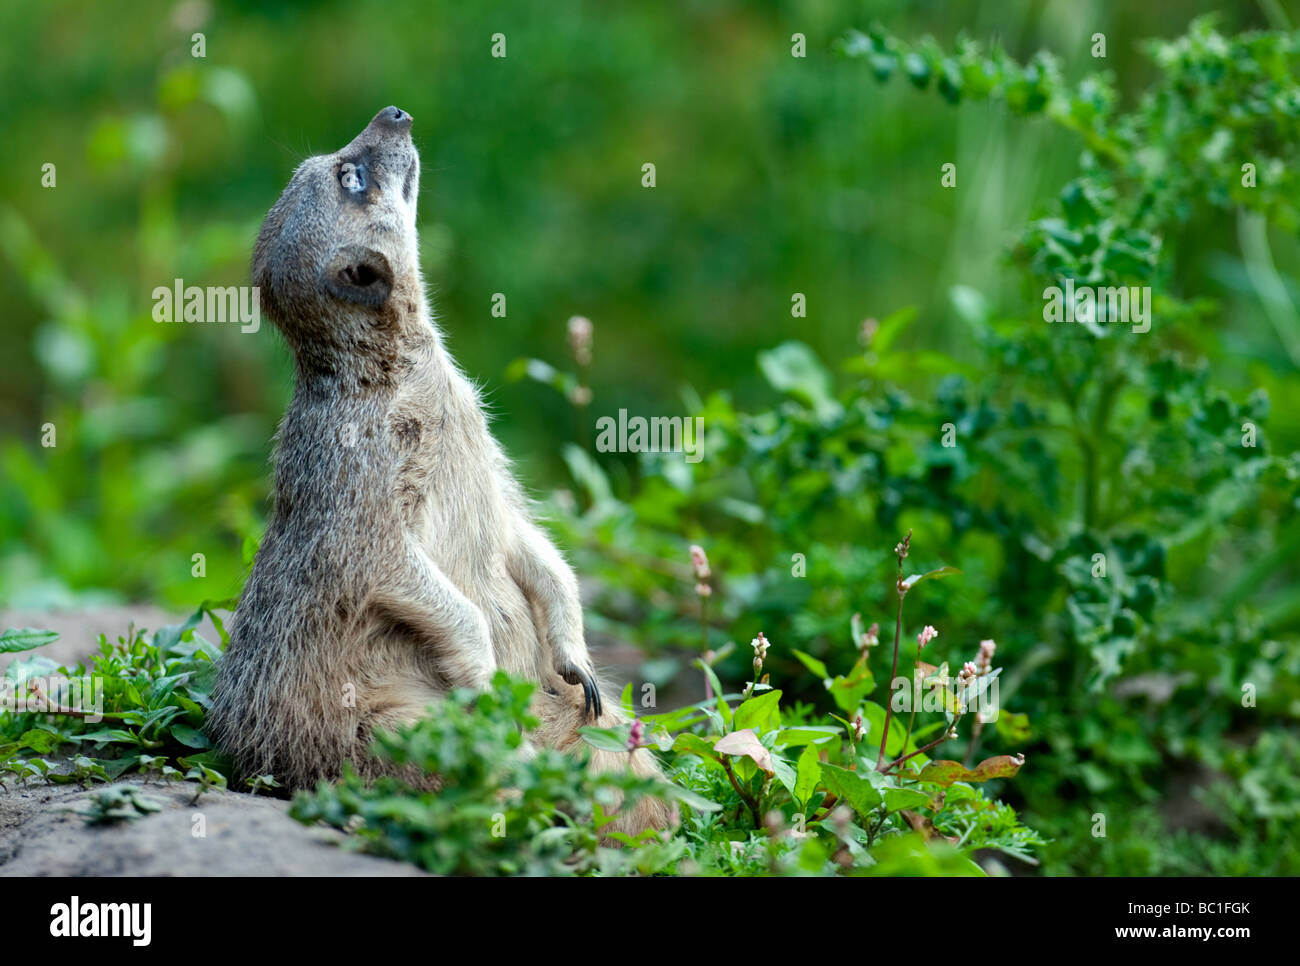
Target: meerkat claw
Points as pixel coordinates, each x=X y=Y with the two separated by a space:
x=590 y=690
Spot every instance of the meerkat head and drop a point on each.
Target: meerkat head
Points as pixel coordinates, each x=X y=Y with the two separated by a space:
x=341 y=242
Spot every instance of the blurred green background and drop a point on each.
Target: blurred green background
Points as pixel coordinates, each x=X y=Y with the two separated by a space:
x=775 y=175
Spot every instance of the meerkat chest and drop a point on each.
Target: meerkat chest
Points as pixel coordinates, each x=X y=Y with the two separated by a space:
x=446 y=475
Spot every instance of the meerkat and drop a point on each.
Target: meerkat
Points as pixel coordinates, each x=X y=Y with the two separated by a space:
x=401 y=559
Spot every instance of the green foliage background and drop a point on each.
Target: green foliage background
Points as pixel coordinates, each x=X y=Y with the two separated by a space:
x=776 y=175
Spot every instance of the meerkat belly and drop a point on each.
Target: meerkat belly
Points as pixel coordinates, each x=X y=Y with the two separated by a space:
x=461 y=518
x=477 y=563
x=511 y=621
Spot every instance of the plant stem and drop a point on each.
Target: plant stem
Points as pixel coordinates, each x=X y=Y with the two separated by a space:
x=911 y=719
x=745 y=797
x=934 y=744
x=898 y=634
x=974 y=739
x=827 y=805
x=875 y=829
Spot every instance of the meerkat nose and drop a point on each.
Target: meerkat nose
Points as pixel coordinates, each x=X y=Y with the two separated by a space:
x=394 y=117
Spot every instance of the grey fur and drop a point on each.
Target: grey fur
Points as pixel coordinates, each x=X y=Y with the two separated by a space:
x=401 y=558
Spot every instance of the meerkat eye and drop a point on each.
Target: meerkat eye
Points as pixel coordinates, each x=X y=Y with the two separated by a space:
x=353 y=177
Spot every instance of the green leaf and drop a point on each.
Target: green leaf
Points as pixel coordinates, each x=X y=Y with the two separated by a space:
x=915 y=579
x=687 y=797
x=762 y=712
x=680 y=719
x=40 y=741
x=115 y=768
x=22 y=669
x=587 y=473
x=607 y=739
x=190 y=737
x=1012 y=727
x=897 y=799
x=210 y=607
x=209 y=776
x=808 y=775
x=724 y=709
x=785 y=773
x=860 y=794
x=959 y=792
x=812 y=664
x=805 y=735
x=215 y=760
x=874 y=714
x=166 y=638
x=793 y=368
x=543 y=372
x=121 y=735
x=890 y=328
x=25 y=639
x=694 y=745
x=848 y=690
x=911 y=855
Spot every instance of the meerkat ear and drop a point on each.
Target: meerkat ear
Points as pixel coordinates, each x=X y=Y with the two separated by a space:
x=359 y=274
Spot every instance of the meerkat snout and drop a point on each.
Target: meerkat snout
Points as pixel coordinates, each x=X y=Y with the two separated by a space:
x=343 y=234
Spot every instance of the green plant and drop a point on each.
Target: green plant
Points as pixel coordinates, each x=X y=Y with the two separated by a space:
x=138 y=705
x=499 y=807
x=117 y=803
x=798 y=797
x=1132 y=517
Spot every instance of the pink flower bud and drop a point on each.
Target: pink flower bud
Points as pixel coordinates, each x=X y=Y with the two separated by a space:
x=928 y=633
x=700 y=562
x=864 y=640
x=636 y=738
x=968 y=674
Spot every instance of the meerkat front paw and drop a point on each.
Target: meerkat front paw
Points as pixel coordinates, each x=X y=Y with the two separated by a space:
x=574 y=674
